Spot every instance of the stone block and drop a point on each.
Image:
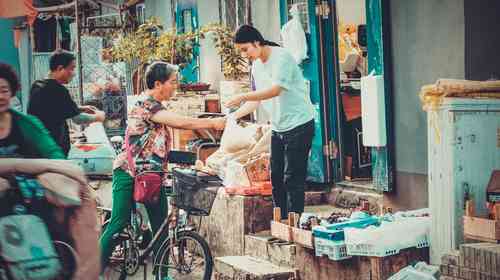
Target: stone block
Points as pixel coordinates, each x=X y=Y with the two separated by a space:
x=249 y=268
x=315 y=198
x=444 y=270
x=231 y=218
x=278 y=253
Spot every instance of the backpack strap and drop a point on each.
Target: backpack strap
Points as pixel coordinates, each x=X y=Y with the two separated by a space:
x=128 y=150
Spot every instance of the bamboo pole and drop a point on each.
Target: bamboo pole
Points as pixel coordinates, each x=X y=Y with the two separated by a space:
x=79 y=52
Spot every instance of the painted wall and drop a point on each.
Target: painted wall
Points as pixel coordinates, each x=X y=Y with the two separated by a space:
x=266 y=18
x=481 y=35
x=210 y=64
x=351 y=11
x=428 y=42
x=8 y=51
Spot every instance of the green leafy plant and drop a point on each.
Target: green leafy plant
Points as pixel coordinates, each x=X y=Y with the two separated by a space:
x=150 y=42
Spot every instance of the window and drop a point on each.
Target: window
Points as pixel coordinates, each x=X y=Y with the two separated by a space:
x=234 y=12
x=303 y=10
x=187 y=20
x=140 y=11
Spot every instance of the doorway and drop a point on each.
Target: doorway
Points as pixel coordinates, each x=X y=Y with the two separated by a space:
x=361 y=42
x=353 y=64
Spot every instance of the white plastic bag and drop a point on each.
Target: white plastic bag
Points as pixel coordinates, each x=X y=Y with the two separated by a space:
x=236 y=137
x=235 y=175
x=294 y=37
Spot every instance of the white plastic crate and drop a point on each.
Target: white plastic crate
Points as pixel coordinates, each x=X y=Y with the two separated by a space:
x=389 y=237
x=335 y=250
x=379 y=250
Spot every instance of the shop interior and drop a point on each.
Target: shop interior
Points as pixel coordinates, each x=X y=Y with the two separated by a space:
x=353 y=64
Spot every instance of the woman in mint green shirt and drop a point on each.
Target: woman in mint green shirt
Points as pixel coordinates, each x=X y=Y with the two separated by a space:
x=292 y=116
x=21 y=136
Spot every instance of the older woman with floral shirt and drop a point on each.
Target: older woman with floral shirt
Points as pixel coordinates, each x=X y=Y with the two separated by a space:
x=148 y=128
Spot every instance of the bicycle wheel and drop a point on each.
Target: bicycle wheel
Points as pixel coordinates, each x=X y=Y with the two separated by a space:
x=123 y=262
x=68 y=258
x=188 y=258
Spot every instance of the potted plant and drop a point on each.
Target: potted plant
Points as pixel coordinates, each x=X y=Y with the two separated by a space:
x=150 y=42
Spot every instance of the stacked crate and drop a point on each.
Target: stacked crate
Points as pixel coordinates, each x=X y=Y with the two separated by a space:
x=475 y=261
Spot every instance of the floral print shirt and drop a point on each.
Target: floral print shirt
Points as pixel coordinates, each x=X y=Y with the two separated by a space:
x=149 y=141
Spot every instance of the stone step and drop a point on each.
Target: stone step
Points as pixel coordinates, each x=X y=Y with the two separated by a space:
x=316 y=197
x=324 y=210
x=249 y=268
x=345 y=197
x=264 y=246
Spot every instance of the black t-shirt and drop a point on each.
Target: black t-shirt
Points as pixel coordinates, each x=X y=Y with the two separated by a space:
x=12 y=146
x=52 y=104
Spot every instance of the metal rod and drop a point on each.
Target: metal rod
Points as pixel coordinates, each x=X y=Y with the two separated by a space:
x=56 y=8
x=79 y=53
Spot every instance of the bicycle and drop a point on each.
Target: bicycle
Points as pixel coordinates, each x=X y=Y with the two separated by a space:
x=27 y=198
x=181 y=253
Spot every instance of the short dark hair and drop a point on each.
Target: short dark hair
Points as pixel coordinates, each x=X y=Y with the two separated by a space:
x=158 y=71
x=8 y=73
x=61 y=58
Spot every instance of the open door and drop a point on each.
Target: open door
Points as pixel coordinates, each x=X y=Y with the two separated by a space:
x=186 y=19
x=322 y=160
x=355 y=44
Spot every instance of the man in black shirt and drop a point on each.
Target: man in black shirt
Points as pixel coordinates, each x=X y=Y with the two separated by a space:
x=51 y=102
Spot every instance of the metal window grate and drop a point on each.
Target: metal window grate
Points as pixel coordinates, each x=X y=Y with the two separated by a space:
x=235 y=13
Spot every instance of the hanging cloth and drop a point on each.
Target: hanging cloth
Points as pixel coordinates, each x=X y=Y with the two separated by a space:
x=64 y=32
x=45 y=32
x=294 y=36
x=12 y=9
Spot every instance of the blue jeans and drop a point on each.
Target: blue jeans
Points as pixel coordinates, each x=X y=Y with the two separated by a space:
x=289 y=156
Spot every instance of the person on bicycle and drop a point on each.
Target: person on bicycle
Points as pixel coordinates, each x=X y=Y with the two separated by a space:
x=21 y=135
x=149 y=141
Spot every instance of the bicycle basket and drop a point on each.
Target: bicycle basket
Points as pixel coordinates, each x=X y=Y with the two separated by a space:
x=194 y=192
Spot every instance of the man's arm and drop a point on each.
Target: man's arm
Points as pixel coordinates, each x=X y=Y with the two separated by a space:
x=84 y=118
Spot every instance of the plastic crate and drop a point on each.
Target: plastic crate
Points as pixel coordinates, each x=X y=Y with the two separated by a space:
x=378 y=250
x=335 y=250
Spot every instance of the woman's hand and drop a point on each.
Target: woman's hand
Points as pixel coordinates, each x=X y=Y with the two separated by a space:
x=219 y=123
x=235 y=101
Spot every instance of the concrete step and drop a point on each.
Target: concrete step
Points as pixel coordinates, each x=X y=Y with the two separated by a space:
x=316 y=197
x=324 y=210
x=345 y=197
x=249 y=268
x=264 y=246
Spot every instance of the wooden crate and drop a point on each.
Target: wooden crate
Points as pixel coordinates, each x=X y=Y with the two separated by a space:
x=280 y=230
x=482 y=229
x=289 y=230
x=303 y=237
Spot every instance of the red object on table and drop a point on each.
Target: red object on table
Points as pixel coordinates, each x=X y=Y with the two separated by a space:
x=257 y=188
